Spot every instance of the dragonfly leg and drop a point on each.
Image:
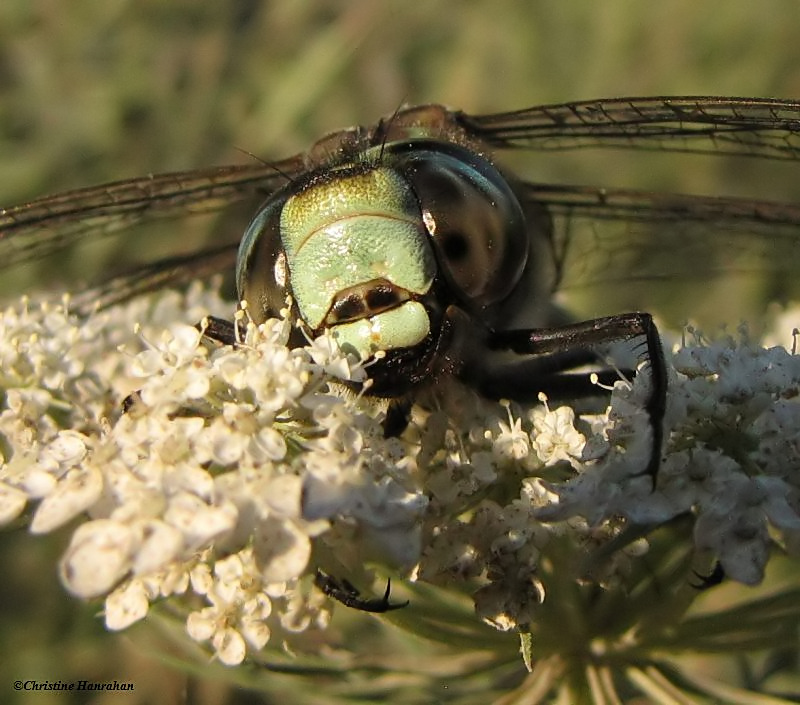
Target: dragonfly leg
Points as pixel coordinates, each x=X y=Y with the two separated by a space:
x=343 y=591
x=714 y=578
x=563 y=348
x=220 y=330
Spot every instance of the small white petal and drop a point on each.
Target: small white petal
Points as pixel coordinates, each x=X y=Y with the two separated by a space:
x=72 y=495
x=126 y=605
x=38 y=481
x=199 y=522
x=260 y=607
x=175 y=581
x=161 y=544
x=230 y=646
x=68 y=448
x=190 y=479
x=201 y=579
x=271 y=444
x=12 y=502
x=227 y=448
x=285 y=495
x=232 y=370
x=98 y=557
x=282 y=550
x=255 y=632
x=230 y=569
x=197 y=384
x=200 y=625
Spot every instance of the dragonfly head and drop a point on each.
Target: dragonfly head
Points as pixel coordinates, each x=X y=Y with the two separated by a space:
x=376 y=251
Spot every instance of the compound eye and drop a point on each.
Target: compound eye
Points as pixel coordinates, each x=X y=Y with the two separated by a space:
x=475 y=223
x=262 y=277
x=451 y=244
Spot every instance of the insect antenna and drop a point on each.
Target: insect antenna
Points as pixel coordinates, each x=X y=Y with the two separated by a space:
x=382 y=130
x=271 y=165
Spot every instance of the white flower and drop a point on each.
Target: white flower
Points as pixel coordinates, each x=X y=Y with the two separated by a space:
x=240 y=606
x=554 y=435
x=326 y=353
x=237 y=471
x=732 y=455
x=512 y=441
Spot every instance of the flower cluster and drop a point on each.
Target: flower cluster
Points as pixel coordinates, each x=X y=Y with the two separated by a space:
x=234 y=472
x=732 y=455
x=218 y=479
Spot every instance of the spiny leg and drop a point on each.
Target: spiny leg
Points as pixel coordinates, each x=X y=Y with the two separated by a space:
x=343 y=591
x=567 y=347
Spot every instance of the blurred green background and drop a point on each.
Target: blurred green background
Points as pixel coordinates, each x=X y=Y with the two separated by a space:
x=97 y=91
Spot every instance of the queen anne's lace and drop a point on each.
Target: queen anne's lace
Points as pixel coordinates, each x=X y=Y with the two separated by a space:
x=732 y=455
x=234 y=466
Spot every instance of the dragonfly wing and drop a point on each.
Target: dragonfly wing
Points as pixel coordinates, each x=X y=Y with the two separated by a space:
x=33 y=230
x=768 y=128
x=169 y=272
x=604 y=237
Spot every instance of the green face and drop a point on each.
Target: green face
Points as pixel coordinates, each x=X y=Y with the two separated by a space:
x=357 y=252
x=376 y=249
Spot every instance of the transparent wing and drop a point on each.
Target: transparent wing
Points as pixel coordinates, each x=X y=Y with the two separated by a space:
x=168 y=272
x=648 y=248
x=43 y=226
x=760 y=127
x=618 y=249
x=600 y=235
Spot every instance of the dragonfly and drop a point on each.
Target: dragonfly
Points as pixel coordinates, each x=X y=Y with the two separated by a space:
x=414 y=245
x=597 y=230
